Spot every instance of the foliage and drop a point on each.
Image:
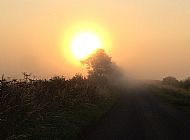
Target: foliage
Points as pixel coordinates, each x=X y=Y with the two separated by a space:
x=170 y=81
x=101 y=69
x=98 y=64
x=174 y=91
x=49 y=109
x=176 y=96
x=57 y=108
x=186 y=84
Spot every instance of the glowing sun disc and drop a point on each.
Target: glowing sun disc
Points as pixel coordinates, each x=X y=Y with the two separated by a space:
x=85 y=43
x=82 y=39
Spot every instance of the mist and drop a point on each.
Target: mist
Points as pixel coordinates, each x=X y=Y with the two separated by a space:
x=95 y=69
x=150 y=39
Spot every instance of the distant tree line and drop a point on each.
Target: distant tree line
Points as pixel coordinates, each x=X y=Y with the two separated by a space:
x=172 y=81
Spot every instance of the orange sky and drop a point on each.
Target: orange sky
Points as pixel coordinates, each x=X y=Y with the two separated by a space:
x=150 y=38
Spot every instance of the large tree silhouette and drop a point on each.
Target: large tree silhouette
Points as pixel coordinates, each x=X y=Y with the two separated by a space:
x=99 y=64
x=101 y=69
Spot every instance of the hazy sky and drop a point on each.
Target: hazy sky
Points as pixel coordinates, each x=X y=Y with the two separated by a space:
x=150 y=38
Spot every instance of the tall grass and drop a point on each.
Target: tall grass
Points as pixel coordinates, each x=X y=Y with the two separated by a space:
x=49 y=109
x=180 y=97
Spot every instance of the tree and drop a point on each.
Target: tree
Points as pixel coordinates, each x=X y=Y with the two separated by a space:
x=186 y=83
x=99 y=64
x=102 y=71
x=172 y=81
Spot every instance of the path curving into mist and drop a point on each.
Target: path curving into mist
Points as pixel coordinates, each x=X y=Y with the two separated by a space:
x=141 y=116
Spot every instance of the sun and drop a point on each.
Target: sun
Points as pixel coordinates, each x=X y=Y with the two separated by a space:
x=82 y=39
x=85 y=43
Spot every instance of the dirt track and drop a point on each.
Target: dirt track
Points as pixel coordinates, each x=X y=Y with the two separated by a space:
x=141 y=116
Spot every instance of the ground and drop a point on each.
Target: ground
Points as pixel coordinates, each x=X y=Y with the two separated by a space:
x=140 y=115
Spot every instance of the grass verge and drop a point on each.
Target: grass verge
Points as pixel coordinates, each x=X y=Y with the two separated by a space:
x=174 y=96
x=57 y=122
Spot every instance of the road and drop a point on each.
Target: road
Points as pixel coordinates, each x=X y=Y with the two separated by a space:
x=139 y=115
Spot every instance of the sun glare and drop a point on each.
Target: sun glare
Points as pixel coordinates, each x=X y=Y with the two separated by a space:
x=83 y=39
x=85 y=43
